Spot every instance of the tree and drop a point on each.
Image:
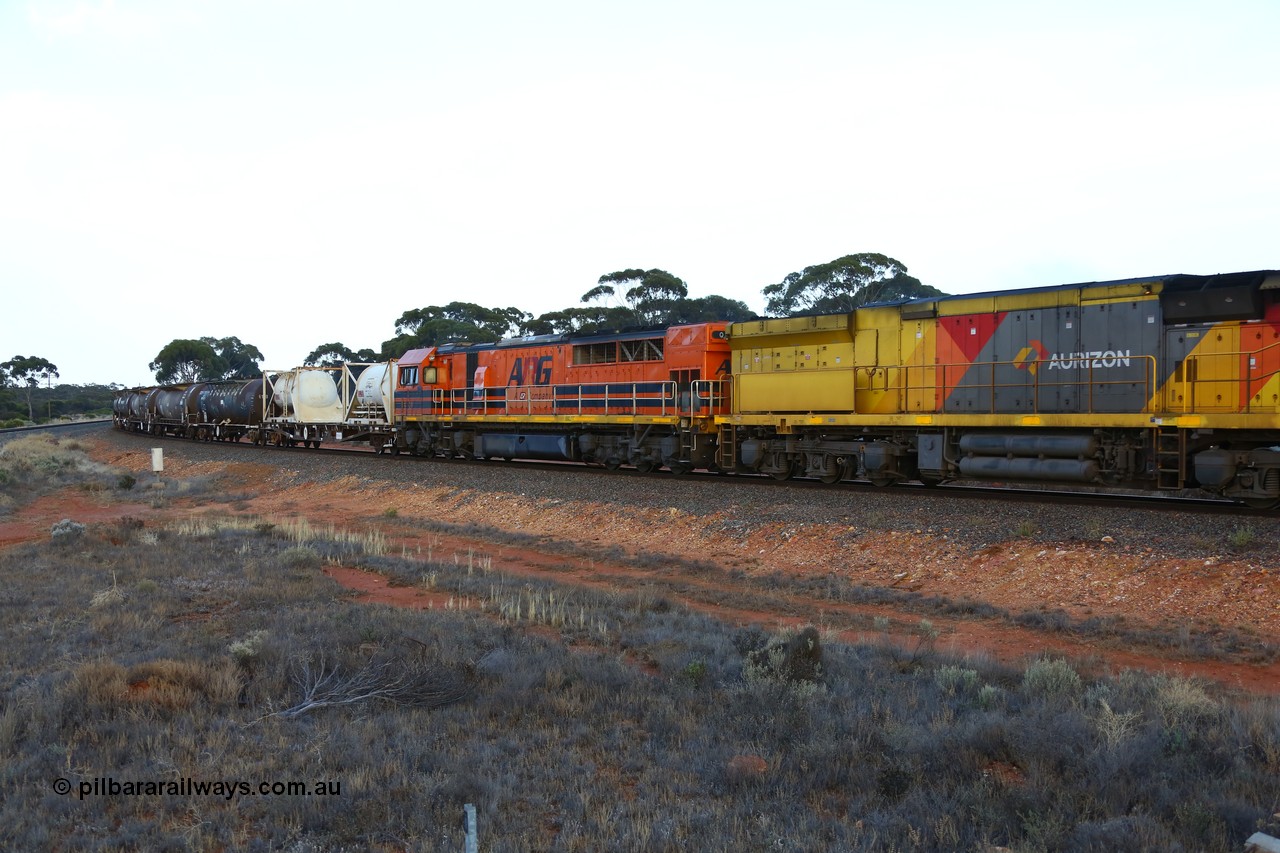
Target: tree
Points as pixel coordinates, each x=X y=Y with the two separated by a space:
x=186 y=360
x=28 y=370
x=239 y=360
x=658 y=298
x=331 y=355
x=457 y=321
x=564 y=322
x=710 y=308
x=206 y=360
x=843 y=285
x=589 y=320
x=652 y=295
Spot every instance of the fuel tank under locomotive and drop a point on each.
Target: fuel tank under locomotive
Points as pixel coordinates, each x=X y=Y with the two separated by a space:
x=1068 y=458
x=555 y=448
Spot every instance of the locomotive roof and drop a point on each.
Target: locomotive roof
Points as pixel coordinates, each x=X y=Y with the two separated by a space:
x=635 y=334
x=1172 y=281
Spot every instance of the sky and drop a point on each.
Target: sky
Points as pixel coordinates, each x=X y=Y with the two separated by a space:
x=299 y=172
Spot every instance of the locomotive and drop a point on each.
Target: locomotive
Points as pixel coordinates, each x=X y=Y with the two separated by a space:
x=1155 y=384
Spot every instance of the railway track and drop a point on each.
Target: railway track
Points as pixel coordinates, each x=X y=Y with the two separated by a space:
x=61 y=426
x=958 y=491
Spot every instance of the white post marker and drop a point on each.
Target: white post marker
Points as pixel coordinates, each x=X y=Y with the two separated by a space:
x=473 y=838
x=157 y=459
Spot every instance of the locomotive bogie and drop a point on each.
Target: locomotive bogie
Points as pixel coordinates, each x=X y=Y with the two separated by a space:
x=1249 y=476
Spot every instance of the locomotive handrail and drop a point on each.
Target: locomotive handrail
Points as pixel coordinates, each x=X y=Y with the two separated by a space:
x=574 y=399
x=941 y=388
x=706 y=398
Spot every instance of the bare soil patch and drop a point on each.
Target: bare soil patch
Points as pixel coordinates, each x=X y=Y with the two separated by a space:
x=1155 y=585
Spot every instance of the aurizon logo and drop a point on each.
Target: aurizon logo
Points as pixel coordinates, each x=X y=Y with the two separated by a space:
x=1030 y=356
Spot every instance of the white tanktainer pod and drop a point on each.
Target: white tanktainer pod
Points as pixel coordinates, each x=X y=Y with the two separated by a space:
x=348 y=402
x=371 y=405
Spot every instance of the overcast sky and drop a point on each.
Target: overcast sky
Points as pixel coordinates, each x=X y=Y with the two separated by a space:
x=294 y=172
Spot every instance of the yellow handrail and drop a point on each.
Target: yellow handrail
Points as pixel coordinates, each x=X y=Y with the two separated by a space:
x=897 y=379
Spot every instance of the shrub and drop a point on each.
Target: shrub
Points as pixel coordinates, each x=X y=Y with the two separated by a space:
x=787 y=658
x=247 y=649
x=956 y=679
x=67 y=527
x=1182 y=702
x=299 y=557
x=694 y=673
x=1242 y=536
x=1051 y=679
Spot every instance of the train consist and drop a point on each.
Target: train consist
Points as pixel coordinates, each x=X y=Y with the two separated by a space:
x=1155 y=384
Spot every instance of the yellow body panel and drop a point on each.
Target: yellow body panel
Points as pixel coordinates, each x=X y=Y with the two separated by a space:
x=793 y=364
x=1209 y=380
x=789 y=326
x=991 y=303
x=919 y=349
x=795 y=391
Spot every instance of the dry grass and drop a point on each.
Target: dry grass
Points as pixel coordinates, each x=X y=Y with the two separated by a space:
x=30 y=464
x=218 y=651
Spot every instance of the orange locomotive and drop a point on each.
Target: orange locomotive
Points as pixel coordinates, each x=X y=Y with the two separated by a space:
x=641 y=398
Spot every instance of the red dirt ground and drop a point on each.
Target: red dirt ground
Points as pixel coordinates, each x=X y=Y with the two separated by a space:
x=1092 y=579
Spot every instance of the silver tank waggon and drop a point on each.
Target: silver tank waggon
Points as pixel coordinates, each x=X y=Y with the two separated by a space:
x=230 y=411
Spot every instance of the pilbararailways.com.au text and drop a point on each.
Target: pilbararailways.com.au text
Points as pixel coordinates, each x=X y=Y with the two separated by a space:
x=109 y=786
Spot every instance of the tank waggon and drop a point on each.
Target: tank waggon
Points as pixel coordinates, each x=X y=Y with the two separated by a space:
x=138 y=409
x=175 y=410
x=1153 y=384
x=644 y=398
x=349 y=402
x=375 y=385
x=120 y=409
x=370 y=406
x=303 y=405
x=230 y=411
x=130 y=409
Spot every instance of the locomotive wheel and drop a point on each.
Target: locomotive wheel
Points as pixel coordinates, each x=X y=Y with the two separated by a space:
x=785 y=473
x=680 y=468
x=881 y=482
x=645 y=466
x=832 y=479
x=1261 y=503
x=612 y=464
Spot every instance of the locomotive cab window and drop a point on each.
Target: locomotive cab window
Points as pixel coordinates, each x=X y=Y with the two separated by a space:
x=409 y=376
x=596 y=353
x=649 y=349
x=428 y=376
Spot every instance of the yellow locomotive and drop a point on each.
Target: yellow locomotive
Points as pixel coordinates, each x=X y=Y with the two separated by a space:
x=1161 y=383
